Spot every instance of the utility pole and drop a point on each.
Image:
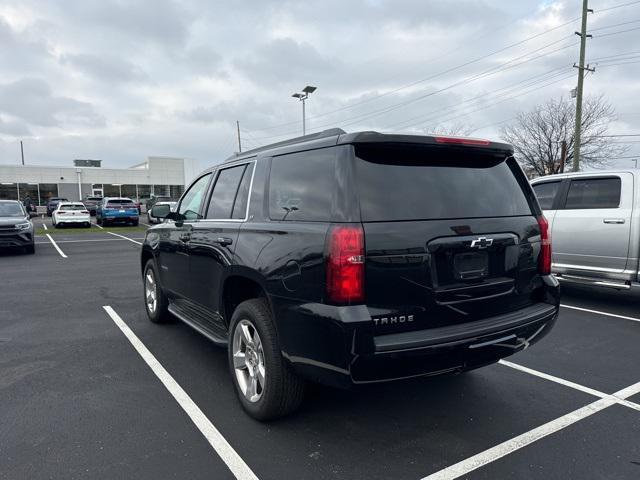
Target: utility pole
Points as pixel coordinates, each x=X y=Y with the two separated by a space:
x=238 y=129
x=581 y=68
x=22 y=152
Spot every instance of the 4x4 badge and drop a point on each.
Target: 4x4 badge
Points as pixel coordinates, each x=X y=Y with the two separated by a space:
x=482 y=242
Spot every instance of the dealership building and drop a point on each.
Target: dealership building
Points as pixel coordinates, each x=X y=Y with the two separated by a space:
x=157 y=176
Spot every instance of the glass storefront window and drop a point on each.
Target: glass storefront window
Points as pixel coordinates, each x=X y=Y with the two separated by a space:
x=8 y=191
x=129 y=191
x=47 y=190
x=111 y=190
x=176 y=191
x=161 y=190
x=29 y=190
x=144 y=192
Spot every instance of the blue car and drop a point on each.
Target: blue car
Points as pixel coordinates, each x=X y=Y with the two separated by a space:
x=117 y=210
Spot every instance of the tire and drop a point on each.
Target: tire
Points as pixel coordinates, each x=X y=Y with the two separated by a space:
x=135 y=224
x=282 y=390
x=31 y=249
x=159 y=314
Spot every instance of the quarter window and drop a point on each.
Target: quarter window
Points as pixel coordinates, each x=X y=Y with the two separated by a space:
x=242 y=198
x=546 y=193
x=191 y=203
x=301 y=186
x=224 y=193
x=594 y=193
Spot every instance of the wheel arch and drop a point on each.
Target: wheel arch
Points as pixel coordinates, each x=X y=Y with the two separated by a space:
x=240 y=285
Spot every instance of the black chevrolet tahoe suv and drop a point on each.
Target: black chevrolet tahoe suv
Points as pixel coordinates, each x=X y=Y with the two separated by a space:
x=354 y=258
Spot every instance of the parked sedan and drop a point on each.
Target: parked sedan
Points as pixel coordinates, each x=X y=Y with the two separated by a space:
x=92 y=203
x=16 y=230
x=52 y=204
x=152 y=219
x=71 y=213
x=117 y=210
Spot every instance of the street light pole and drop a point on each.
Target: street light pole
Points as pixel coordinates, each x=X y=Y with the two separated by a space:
x=303 y=98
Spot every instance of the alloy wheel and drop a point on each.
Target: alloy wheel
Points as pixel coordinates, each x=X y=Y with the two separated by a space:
x=248 y=360
x=150 y=293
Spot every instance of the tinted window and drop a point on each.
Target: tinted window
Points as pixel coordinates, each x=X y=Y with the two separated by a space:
x=594 y=193
x=546 y=193
x=120 y=201
x=192 y=200
x=224 y=192
x=396 y=183
x=301 y=186
x=240 y=207
x=71 y=206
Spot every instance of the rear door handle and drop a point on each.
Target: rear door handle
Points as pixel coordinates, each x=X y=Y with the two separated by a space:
x=613 y=220
x=224 y=241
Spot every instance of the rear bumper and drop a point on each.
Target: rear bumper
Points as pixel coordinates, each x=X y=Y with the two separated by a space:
x=76 y=219
x=121 y=218
x=337 y=346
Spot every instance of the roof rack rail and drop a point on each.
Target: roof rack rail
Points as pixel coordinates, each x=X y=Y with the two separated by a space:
x=332 y=132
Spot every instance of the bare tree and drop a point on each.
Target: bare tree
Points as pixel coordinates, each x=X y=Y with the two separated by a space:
x=537 y=136
x=454 y=129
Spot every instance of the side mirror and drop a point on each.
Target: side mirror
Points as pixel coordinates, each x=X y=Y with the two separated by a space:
x=160 y=211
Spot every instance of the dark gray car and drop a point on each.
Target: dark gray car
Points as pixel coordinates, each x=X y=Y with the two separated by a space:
x=16 y=229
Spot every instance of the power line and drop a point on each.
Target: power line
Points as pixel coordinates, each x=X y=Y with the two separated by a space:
x=618 y=6
x=431 y=77
x=491 y=71
x=540 y=78
x=617 y=33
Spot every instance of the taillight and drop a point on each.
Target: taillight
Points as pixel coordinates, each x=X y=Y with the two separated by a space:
x=544 y=260
x=345 y=264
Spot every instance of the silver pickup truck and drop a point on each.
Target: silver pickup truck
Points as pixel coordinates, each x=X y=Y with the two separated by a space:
x=595 y=225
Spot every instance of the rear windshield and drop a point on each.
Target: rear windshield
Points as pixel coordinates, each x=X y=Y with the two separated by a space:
x=11 y=210
x=120 y=203
x=71 y=206
x=418 y=184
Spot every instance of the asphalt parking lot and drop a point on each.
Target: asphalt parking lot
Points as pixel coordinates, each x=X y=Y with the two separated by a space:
x=94 y=392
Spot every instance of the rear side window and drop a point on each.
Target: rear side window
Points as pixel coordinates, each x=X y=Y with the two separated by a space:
x=594 y=193
x=396 y=183
x=301 y=186
x=224 y=192
x=546 y=193
x=242 y=198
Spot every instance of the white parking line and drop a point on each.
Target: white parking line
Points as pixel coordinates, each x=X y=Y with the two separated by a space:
x=145 y=224
x=226 y=452
x=56 y=245
x=101 y=228
x=570 y=384
x=516 y=443
x=607 y=314
x=126 y=238
x=92 y=240
x=45 y=226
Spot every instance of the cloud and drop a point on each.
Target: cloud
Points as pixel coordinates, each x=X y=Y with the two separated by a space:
x=32 y=100
x=129 y=78
x=105 y=68
x=14 y=128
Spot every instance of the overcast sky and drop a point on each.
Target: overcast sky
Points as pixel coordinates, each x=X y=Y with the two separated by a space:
x=120 y=80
